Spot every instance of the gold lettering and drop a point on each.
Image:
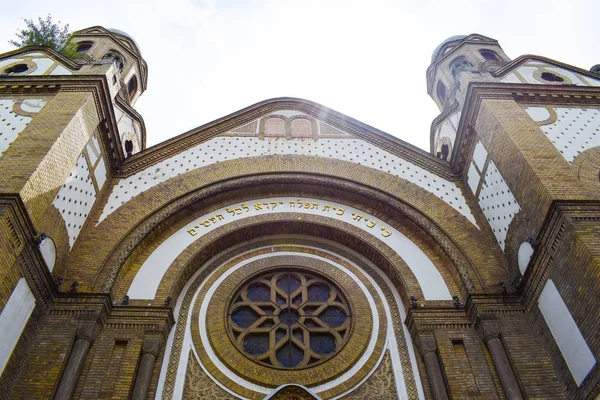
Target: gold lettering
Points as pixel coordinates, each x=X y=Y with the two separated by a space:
x=258 y=206
x=192 y=231
x=386 y=232
x=245 y=207
x=220 y=216
x=340 y=211
x=230 y=211
x=315 y=206
x=372 y=222
x=205 y=223
x=326 y=207
x=357 y=217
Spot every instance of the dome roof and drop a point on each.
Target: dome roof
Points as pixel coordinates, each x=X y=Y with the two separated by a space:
x=120 y=32
x=450 y=39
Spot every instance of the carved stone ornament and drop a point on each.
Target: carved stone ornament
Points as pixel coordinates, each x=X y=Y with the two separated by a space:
x=199 y=386
x=487 y=328
x=291 y=392
x=379 y=386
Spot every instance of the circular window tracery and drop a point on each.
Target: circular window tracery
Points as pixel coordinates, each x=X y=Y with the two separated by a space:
x=289 y=319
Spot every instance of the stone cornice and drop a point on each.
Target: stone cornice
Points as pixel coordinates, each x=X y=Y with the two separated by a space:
x=427 y=318
x=168 y=148
x=154 y=319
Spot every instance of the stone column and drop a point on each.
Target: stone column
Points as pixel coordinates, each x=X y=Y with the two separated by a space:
x=489 y=331
x=150 y=348
x=428 y=350
x=70 y=376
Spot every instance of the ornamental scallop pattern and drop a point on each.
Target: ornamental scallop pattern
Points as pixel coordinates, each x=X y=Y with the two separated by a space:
x=11 y=123
x=75 y=199
x=575 y=131
x=497 y=203
x=222 y=149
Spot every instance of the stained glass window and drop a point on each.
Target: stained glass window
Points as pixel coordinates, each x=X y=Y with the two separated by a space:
x=289 y=318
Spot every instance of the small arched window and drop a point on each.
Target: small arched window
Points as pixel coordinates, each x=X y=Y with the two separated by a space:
x=115 y=58
x=129 y=148
x=132 y=87
x=489 y=55
x=84 y=47
x=441 y=91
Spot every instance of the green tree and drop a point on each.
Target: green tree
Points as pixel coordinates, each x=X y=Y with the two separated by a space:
x=46 y=33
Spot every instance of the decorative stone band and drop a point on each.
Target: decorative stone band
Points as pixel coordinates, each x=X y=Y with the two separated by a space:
x=13 y=318
x=222 y=149
x=147 y=280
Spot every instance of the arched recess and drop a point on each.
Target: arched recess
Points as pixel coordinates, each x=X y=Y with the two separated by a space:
x=145 y=236
x=587 y=165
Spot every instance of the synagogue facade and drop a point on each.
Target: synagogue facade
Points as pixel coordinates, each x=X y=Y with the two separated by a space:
x=288 y=251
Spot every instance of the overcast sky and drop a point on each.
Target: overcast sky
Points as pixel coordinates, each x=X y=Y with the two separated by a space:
x=366 y=59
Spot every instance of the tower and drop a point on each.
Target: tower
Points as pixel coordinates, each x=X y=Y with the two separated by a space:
x=288 y=250
x=525 y=134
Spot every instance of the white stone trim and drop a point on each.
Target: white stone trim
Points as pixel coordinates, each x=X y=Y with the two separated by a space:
x=13 y=319
x=225 y=148
x=148 y=277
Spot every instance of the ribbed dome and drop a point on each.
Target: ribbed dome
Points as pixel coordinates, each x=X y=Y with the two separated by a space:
x=120 y=32
x=450 y=39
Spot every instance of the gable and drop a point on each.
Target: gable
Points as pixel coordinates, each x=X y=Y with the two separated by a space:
x=294 y=133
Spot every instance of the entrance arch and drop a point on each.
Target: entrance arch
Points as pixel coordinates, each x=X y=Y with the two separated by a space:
x=388 y=351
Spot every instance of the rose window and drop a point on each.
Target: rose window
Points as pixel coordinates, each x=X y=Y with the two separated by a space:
x=289 y=319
